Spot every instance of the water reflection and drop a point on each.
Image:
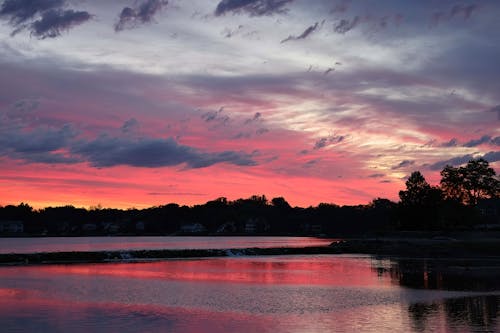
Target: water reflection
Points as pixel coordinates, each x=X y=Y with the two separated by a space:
x=281 y=270
x=324 y=293
x=67 y=244
x=472 y=313
x=442 y=274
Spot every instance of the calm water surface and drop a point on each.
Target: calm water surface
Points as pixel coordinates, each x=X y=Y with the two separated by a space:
x=63 y=244
x=325 y=293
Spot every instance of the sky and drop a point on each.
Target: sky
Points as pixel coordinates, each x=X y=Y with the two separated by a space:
x=136 y=103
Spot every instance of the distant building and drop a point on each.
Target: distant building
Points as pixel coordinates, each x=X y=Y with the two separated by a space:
x=490 y=210
x=11 y=227
x=256 y=225
x=110 y=227
x=251 y=226
x=228 y=227
x=195 y=228
x=139 y=226
x=89 y=227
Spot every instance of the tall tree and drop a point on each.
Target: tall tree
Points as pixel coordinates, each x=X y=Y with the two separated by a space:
x=419 y=203
x=470 y=183
x=418 y=191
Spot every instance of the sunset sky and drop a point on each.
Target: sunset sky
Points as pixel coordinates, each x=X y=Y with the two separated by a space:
x=135 y=103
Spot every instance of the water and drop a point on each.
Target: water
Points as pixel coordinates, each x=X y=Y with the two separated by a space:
x=324 y=293
x=64 y=244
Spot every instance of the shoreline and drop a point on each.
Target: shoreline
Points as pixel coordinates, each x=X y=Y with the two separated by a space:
x=428 y=248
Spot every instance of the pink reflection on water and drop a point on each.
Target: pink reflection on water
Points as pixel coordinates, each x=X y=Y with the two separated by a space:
x=41 y=314
x=295 y=270
x=67 y=244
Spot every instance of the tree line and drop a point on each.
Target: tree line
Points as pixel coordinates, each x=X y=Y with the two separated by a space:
x=457 y=203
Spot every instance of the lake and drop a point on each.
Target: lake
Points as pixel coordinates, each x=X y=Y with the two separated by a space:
x=65 y=244
x=320 y=293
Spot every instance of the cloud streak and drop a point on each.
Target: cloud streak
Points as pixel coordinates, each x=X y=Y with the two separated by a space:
x=53 y=22
x=152 y=153
x=44 y=19
x=252 y=7
x=303 y=35
x=130 y=18
x=345 y=25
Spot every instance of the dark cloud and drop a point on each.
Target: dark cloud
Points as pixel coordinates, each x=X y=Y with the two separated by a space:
x=252 y=7
x=376 y=175
x=261 y=131
x=54 y=21
x=492 y=156
x=496 y=141
x=463 y=11
x=496 y=110
x=152 y=153
x=25 y=140
x=255 y=117
x=43 y=18
x=452 y=143
x=477 y=142
x=455 y=161
x=216 y=117
x=403 y=164
x=303 y=35
x=345 y=25
x=38 y=145
x=130 y=126
x=143 y=13
x=457 y=11
x=19 y=12
x=323 y=142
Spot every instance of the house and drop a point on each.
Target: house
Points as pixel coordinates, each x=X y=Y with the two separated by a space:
x=194 y=228
x=228 y=227
x=11 y=227
x=251 y=226
x=139 y=226
x=89 y=227
x=490 y=210
x=110 y=227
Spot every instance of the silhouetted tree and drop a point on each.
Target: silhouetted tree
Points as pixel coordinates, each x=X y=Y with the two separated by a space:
x=419 y=203
x=470 y=183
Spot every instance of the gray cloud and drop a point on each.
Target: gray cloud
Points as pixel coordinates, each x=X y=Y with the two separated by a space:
x=376 y=175
x=492 y=156
x=39 y=145
x=54 y=21
x=255 y=117
x=252 y=7
x=463 y=11
x=130 y=126
x=323 y=142
x=21 y=11
x=452 y=143
x=403 y=164
x=496 y=109
x=143 y=13
x=42 y=18
x=216 y=117
x=477 y=142
x=457 y=11
x=452 y=161
x=496 y=141
x=345 y=25
x=25 y=140
x=152 y=153
x=303 y=35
